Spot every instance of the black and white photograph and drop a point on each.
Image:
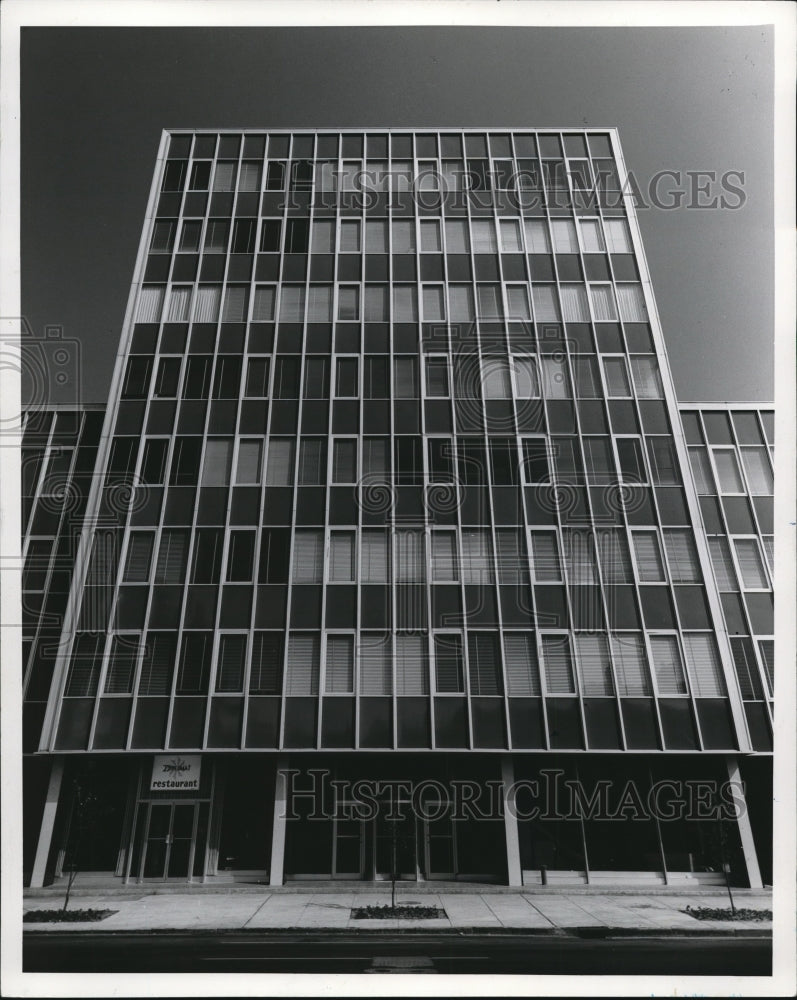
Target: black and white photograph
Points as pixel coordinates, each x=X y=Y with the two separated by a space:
x=397 y=501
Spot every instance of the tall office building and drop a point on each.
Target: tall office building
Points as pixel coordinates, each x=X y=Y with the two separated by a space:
x=393 y=559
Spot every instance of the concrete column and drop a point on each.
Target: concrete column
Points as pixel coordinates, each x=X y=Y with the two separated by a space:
x=276 y=870
x=48 y=823
x=514 y=873
x=745 y=830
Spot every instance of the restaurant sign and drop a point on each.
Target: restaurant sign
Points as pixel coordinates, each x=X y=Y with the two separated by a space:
x=175 y=773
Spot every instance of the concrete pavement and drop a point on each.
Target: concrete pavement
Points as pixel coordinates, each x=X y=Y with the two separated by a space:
x=308 y=909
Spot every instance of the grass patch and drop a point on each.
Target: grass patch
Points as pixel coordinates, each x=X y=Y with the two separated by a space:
x=388 y=912
x=64 y=916
x=726 y=913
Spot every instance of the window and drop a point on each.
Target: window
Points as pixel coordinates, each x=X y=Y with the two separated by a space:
x=614 y=556
x=312 y=462
x=224 y=177
x=444 y=556
x=405 y=378
x=122 y=664
x=436 y=368
x=208 y=546
x=207 y=303
x=271 y=235
x=341 y=556
x=546 y=306
x=574 y=304
x=339 y=665
x=545 y=557
x=297 y=235
x=265 y=676
x=376 y=236
x=616 y=375
x=170 y=565
x=240 y=556
x=265 y=301
x=227 y=377
x=315 y=378
x=663 y=462
x=303 y=664
x=630 y=667
x=167 y=378
x=412 y=675
x=374 y=557
x=308 y=557
x=618 y=238
x=510 y=236
x=348 y=302
x=599 y=461
x=527 y=377
x=728 y=474
x=137 y=377
x=405 y=304
x=766 y=649
x=535 y=461
x=555 y=379
x=705 y=669
x=460 y=303
x=346 y=377
x=243 y=236
x=537 y=240
x=520 y=663
x=449 y=674
x=217 y=233
x=723 y=565
x=376 y=671
x=484 y=240
x=323 y=238
x=632 y=464
x=490 y=304
x=150 y=304
x=667 y=665
x=564 y=236
x=496 y=383
x=603 y=307
x=647 y=380
x=410 y=558
x=484 y=664
x=591 y=236
x=257 y=378
x=190 y=236
x=153 y=463
x=477 y=556
x=344 y=460
x=200 y=176
x=247 y=470
x=377 y=304
x=682 y=556
x=403 y=236
x=701 y=470
x=160 y=651
x=594 y=665
x=631 y=302
x=431 y=241
x=292 y=304
x=457 y=239
x=139 y=557
x=279 y=466
x=218 y=462
x=751 y=566
x=558 y=664
x=84 y=668
x=433 y=303
x=759 y=473
x=375 y=457
x=163 y=237
x=579 y=557
x=250 y=176
x=517 y=301
x=650 y=568
x=350 y=241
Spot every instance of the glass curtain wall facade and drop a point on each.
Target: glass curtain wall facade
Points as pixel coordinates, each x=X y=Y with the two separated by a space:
x=393 y=482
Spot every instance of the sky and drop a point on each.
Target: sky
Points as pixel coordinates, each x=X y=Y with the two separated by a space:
x=94 y=101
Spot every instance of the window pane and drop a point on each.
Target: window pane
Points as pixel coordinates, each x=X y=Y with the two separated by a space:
x=510 y=236
x=323 y=240
x=308 y=557
x=546 y=307
x=319 y=304
x=433 y=303
x=266 y=672
x=139 y=557
x=564 y=236
x=247 y=471
x=346 y=377
x=437 y=376
x=170 y=565
x=682 y=556
x=412 y=674
x=701 y=470
x=444 y=556
x=558 y=664
x=477 y=557
x=667 y=665
x=603 y=307
x=759 y=472
x=616 y=373
x=484 y=236
x=457 y=240
x=537 y=236
x=594 y=665
x=630 y=666
x=751 y=565
x=591 y=235
x=344 y=461
x=122 y=664
x=647 y=381
x=410 y=561
x=232 y=658
x=303 y=664
x=723 y=565
x=340 y=664
x=312 y=462
x=257 y=377
x=341 y=556
x=520 y=661
x=728 y=474
x=218 y=462
x=484 y=668
x=348 y=302
x=460 y=300
x=405 y=304
x=527 y=377
x=376 y=674
x=618 y=239
x=350 y=236
x=449 y=677
x=704 y=665
x=430 y=235
x=545 y=557
x=279 y=467
x=574 y=304
x=374 y=557
x=517 y=299
x=632 y=304
x=648 y=557
x=377 y=304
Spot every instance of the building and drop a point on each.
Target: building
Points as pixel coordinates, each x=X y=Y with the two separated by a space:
x=393 y=560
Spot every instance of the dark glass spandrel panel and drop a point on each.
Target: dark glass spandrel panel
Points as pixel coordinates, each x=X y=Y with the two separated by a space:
x=712 y=519
x=413 y=722
x=677 y=724
x=718 y=429
x=657 y=609
x=74 y=724
x=758 y=726
x=451 y=723
x=526 y=723
x=337 y=723
x=738 y=516
x=760 y=609
x=262 y=724
x=489 y=727
x=300 y=723
x=603 y=731
x=149 y=725
x=270 y=607
x=188 y=723
x=226 y=716
x=639 y=721
x=716 y=726
x=376 y=722
x=693 y=608
x=564 y=724
x=672 y=505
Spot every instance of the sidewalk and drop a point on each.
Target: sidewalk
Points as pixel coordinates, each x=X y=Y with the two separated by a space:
x=308 y=909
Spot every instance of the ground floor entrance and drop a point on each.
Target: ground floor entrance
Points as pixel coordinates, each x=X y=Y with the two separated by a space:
x=481 y=818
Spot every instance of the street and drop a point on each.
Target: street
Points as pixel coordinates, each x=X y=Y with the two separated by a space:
x=321 y=953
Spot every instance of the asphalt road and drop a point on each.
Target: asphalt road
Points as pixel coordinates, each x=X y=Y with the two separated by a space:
x=473 y=954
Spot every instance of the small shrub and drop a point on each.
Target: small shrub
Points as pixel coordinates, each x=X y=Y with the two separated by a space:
x=726 y=913
x=64 y=916
x=387 y=912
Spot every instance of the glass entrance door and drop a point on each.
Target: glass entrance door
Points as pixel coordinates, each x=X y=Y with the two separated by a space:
x=396 y=841
x=169 y=840
x=440 y=848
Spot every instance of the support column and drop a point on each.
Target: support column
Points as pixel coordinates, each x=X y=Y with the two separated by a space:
x=745 y=830
x=48 y=824
x=514 y=873
x=276 y=870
